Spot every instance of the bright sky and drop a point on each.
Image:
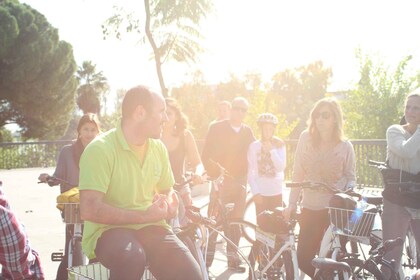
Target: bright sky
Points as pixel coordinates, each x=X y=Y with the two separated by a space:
x=265 y=36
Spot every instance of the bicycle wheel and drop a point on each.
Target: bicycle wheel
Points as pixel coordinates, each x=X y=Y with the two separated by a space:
x=248 y=230
x=411 y=257
x=361 y=270
x=250 y=211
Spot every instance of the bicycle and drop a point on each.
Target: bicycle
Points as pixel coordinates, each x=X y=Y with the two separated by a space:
x=353 y=268
x=411 y=252
x=333 y=246
x=219 y=211
x=68 y=204
x=274 y=250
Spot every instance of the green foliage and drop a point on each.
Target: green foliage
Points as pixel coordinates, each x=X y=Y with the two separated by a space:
x=296 y=90
x=37 y=83
x=5 y=135
x=171 y=28
x=377 y=101
x=261 y=102
x=93 y=89
x=199 y=102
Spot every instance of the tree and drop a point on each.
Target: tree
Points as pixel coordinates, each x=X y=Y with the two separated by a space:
x=298 y=89
x=93 y=88
x=170 y=27
x=37 y=83
x=377 y=100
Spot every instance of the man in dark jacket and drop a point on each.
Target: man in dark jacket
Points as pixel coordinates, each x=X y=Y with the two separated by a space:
x=226 y=146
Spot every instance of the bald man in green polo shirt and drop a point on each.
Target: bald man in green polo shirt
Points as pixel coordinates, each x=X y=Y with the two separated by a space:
x=126 y=196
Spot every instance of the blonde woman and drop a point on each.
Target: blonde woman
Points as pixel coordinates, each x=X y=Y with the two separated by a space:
x=323 y=155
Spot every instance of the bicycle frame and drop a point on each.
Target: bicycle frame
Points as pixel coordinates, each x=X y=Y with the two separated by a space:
x=289 y=245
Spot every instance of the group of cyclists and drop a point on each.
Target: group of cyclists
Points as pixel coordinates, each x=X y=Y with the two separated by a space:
x=126 y=178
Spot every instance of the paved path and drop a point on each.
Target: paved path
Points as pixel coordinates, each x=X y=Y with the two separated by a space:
x=34 y=205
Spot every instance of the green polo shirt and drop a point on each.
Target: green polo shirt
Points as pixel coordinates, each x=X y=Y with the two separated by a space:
x=109 y=165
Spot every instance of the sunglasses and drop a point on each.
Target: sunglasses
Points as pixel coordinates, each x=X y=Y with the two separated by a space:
x=243 y=110
x=324 y=115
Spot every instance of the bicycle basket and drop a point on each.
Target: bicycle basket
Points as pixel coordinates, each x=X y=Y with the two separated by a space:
x=71 y=195
x=353 y=223
x=87 y=272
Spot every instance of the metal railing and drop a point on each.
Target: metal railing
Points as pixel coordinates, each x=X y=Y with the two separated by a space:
x=44 y=154
x=30 y=154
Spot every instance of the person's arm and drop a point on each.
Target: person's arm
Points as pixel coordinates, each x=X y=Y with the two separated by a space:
x=298 y=171
x=60 y=169
x=93 y=208
x=208 y=153
x=278 y=155
x=193 y=156
x=396 y=142
x=18 y=259
x=253 y=167
x=350 y=167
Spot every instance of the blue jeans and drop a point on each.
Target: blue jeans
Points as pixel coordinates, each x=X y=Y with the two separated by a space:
x=396 y=220
x=125 y=252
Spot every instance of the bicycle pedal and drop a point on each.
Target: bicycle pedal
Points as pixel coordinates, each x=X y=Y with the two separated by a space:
x=57 y=256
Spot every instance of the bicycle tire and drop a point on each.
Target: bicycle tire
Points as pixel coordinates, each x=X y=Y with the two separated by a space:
x=248 y=229
x=250 y=211
x=76 y=254
x=261 y=255
x=288 y=265
x=411 y=251
x=361 y=270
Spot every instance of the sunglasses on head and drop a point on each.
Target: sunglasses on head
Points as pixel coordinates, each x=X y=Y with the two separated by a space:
x=240 y=109
x=324 y=115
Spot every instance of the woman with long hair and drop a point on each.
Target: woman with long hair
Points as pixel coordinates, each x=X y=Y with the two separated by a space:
x=67 y=169
x=182 y=149
x=323 y=155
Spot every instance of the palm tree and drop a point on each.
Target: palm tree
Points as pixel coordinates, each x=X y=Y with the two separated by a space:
x=93 y=88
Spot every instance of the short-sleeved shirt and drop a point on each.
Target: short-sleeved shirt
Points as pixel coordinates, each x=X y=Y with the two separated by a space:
x=108 y=165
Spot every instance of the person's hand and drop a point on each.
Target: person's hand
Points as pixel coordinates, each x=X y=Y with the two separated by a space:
x=173 y=203
x=257 y=198
x=197 y=179
x=159 y=208
x=43 y=177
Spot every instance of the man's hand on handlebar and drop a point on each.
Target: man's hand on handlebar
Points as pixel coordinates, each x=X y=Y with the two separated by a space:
x=43 y=177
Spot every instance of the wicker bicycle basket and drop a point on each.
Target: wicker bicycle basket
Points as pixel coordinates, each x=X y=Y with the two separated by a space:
x=352 y=223
x=97 y=271
x=90 y=271
x=71 y=213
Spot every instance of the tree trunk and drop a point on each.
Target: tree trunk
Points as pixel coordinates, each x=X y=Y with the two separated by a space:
x=155 y=49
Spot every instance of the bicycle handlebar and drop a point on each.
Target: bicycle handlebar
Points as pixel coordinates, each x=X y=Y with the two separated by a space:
x=193 y=213
x=55 y=180
x=319 y=186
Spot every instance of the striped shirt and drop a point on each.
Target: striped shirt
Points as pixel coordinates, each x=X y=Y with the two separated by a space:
x=17 y=258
